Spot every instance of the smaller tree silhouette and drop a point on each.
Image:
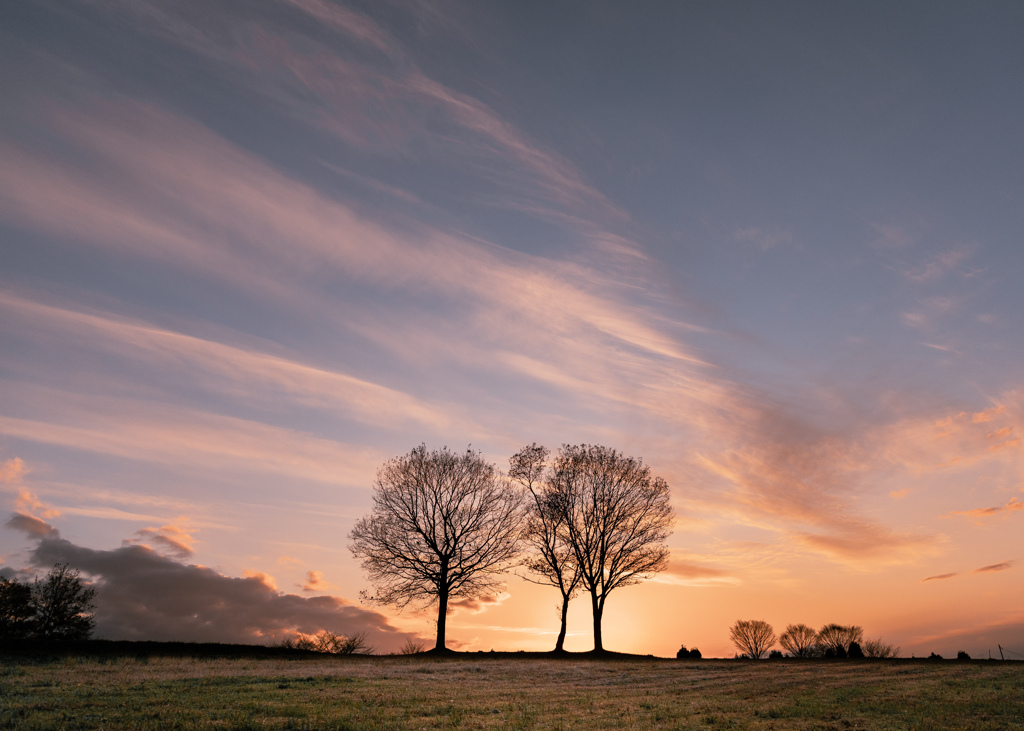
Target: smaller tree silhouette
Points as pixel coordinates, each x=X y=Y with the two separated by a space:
x=799 y=640
x=838 y=637
x=63 y=605
x=752 y=637
x=552 y=560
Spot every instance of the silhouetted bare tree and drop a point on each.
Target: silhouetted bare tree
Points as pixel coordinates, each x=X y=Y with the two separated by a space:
x=552 y=558
x=616 y=518
x=799 y=640
x=443 y=525
x=837 y=638
x=752 y=637
x=63 y=605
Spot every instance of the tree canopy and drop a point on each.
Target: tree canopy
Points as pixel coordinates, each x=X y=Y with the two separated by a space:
x=57 y=607
x=443 y=525
x=615 y=516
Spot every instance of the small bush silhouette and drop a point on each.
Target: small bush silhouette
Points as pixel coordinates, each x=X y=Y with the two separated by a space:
x=962 y=656
x=855 y=653
x=877 y=648
x=683 y=653
x=935 y=656
x=411 y=647
x=775 y=655
x=695 y=654
x=330 y=643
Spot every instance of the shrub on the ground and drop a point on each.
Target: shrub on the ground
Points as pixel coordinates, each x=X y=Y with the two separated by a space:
x=877 y=648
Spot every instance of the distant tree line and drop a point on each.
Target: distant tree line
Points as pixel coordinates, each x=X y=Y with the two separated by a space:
x=754 y=639
x=446 y=526
x=57 y=607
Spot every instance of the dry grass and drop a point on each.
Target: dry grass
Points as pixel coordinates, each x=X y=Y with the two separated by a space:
x=507 y=692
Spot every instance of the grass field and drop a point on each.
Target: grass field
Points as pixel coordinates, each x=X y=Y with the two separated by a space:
x=483 y=691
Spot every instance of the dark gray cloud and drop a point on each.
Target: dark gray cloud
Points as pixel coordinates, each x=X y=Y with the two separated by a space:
x=142 y=595
x=32 y=526
x=940 y=576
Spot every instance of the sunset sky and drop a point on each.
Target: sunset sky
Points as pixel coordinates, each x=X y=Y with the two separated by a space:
x=250 y=250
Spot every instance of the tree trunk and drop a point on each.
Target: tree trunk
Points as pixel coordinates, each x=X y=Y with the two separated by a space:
x=442 y=615
x=598 y=608
x=561 y=632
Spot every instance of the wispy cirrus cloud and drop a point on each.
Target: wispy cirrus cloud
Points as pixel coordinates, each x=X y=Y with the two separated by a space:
x=227 y=369
x=1003 y=566
x=1013 y=505
x=190 y=439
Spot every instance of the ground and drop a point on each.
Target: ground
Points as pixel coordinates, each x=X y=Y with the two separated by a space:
x=169 y=690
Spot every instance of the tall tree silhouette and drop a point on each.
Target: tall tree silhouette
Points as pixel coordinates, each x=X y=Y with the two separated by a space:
x=552 y=559
x=443 y=525
x=616 y=517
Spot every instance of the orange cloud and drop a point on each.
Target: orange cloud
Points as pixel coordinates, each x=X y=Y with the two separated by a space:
x=28 y=502
x=315 y=582
x=172 y=539
x=861 y=542
x=475 y=605
x=266 y=579
x=12 y=471
x=1010 y=507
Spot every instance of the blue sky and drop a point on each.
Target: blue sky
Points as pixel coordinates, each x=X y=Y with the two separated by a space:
x=249 y=251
